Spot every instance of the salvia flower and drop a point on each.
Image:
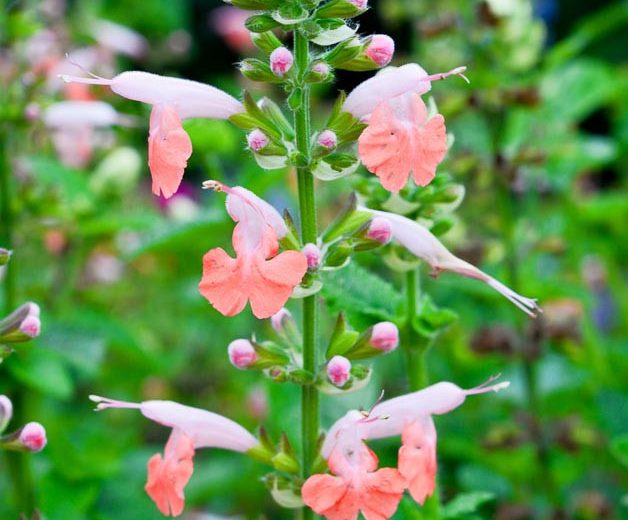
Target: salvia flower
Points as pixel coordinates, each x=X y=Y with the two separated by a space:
x=29 y=438
x=356 y=485
x=241 y=353
x=376 y=494
x=424 y=245
x=258 y=274
x=380 y=49
x=257 y=140
x=339 y=370
x=173 y=100
x=401 y=139
x=281 y=61
x=192 y=428
x=385 y=336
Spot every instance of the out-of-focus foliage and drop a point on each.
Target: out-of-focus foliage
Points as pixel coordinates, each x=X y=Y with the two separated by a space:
x=541 y=146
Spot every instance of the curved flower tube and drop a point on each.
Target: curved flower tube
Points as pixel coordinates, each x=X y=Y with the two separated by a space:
x=424 y=245
x=172 y=99
x=358 y=487
x=391 y=83
x=258 y=274
x=192 y=428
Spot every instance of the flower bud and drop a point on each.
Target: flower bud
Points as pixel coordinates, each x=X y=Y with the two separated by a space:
x=32 y=436
x=320 y=71
x=241 y=353
x=360 y=4
x=278 y=320
x=5 y=256
x=21 y=325
x=385 y=336
x=281 y=60
x=313 y=256
x=327 y=139
x=339 y=370
x=257 y=140
x=379 y=230
x=6 y=412
x=381 y=49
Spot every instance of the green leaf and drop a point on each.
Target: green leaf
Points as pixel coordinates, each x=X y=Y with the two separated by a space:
x=360 y=294
x=466 y=504
x=619 y=448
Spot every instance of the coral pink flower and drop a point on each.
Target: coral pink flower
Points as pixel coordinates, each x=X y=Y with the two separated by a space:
x=258 y=274
x=401 y=140
x=192 y=428
x=228 y=21
x=424 y=245
x=173 y=99
x=356 y=484
x=377 y=494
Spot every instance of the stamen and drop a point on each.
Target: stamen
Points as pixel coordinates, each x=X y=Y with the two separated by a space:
x=80 y=67
x=458 y=71
x=216 y=186
x=488 y=387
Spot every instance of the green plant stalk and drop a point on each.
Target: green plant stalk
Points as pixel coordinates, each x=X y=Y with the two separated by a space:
x=307 y=210
x=18 y=464
x=415 y=348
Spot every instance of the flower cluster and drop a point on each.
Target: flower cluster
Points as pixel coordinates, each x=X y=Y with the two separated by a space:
x=401 y=140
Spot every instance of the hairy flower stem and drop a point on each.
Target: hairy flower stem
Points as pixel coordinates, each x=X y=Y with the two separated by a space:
x=415 y=348
x=307 y=210
x=18 y=464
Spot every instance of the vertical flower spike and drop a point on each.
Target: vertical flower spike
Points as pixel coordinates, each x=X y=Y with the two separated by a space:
x=258 y=274
x=401 y=140
x=358 y=486
x=192 y=428
x=173 y=100
x=424 y=245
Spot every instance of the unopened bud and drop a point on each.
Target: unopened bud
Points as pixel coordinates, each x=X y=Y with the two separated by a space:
x=320 y=71
x=257 y=140
x=6 y=412
x=241 y=353
x=21 y=325
x=339 y=370
x=278 y=320
x=385 y=336
x=379 y=230
x=381 y=49
x=33 y=437
x=5 y=256
x=313 y=256
x=281 y=60
x=360 y=4
x=327 y=139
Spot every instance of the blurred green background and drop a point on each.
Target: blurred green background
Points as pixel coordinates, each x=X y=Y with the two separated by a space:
x=541 y=146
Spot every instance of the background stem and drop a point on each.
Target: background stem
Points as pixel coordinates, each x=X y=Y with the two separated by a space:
x=18 y=464
x=307 y=210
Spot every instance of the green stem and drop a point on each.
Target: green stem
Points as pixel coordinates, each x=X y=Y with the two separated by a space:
x=18 y=464
x=415 y=348
x=307 y=210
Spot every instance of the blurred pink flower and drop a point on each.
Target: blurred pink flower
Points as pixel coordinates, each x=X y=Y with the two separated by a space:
x=74 y=126
x=119 y=38
x=258 y=274
x=173 y=99
x=228 y=22
x=192 y=428
x=424 y=245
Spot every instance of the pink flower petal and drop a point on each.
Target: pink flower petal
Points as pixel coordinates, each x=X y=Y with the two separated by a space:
x=169 y=148
x=417 y=458
x=399 y=140
x=168 y=476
